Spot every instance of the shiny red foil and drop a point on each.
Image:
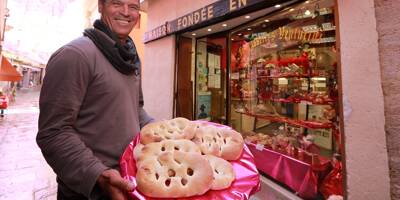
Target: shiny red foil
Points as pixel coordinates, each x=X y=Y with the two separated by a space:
x=332 y=184
x=247 y=180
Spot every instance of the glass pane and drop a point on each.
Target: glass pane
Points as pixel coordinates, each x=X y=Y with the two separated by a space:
x=211 y=79
x=284 y=81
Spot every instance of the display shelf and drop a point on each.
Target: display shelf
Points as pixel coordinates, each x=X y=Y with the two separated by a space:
x=243 y=98
x=299 y=100
x=324 y=40
x=283 y=76
x=286 y=76
x=286 y=100
x=313 y=75
x=322 y=30
x=295 y=122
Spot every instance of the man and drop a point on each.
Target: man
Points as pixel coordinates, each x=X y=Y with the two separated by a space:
x=91 y=106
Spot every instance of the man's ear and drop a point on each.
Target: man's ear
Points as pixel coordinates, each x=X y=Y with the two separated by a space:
x=100 y=5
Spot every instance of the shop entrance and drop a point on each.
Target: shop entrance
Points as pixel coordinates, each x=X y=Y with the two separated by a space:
x=211 y=79
x=274 y=79
x=184 y=81
x=201 y=78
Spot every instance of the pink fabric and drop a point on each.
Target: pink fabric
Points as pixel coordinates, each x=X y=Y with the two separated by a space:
x=300 y=176
x=247 y=177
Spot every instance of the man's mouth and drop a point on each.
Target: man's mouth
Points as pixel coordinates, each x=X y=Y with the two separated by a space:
x=123 y=21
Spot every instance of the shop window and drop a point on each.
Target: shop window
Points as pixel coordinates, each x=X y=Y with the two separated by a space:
x=283 y=89
x=275 y=81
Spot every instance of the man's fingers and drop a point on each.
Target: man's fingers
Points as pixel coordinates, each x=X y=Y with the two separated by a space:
x=121 y=183
x=117 y=194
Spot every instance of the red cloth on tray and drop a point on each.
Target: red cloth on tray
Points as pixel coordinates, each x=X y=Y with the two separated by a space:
x=247 y=180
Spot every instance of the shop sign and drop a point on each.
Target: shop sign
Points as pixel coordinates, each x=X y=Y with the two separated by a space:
x=287 y=34
x=158 y=32
x=298 y=34
x=199 y=16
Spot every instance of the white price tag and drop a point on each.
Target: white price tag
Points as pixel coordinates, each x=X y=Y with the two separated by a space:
x=260 y=147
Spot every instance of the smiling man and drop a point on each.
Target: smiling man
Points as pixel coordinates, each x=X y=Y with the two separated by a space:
x=91 y=106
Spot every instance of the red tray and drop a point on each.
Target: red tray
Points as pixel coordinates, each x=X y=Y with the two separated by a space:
x=247 y=180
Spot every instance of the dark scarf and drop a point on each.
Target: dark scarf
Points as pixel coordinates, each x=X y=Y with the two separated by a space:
x=124 y=58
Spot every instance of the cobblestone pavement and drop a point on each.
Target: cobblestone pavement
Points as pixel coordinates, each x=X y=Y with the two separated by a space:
x=24 y=174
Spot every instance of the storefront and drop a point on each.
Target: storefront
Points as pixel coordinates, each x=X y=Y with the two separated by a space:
x=269 y=69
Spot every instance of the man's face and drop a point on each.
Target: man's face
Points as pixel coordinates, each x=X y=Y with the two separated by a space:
x=120 y=15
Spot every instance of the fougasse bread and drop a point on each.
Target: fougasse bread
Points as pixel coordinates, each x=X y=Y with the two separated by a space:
x=223 y=142
x=174 y=175
x=177 y=128
x=156 y=148
x=223 y=172
x=137 y=151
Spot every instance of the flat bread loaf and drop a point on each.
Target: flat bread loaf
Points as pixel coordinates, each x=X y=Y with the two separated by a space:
x=219 y=141
x=177 y=128
x=137 y=151
x=174 y=174
x=156 y=148
x=223 y=171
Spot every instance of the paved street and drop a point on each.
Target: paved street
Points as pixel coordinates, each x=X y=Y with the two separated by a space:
x=24 y=174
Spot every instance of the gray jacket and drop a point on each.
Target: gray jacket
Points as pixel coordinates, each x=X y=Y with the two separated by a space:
x=89 y=112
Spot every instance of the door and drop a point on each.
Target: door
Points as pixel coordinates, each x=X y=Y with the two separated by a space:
x=184 y=91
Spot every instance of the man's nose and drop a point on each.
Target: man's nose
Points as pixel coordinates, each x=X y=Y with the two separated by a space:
x=125 y=10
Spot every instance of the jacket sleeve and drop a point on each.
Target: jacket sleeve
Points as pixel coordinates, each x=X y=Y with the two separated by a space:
x=144 y=118
x=64 y=87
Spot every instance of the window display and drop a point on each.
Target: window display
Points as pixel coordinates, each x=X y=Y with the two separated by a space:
x=283 y=88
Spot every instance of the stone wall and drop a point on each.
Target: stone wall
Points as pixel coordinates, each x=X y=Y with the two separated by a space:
x=366 y=165
x=388 y=26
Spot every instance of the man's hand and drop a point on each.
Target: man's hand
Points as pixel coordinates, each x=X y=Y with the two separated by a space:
x=116 y=187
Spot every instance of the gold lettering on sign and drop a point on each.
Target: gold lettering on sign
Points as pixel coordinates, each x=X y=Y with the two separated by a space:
x=235 y=4
x=156 y=33
x=168 y=27
x=242 y=3
x=203 y=14
x=190 y=19
x=184 y=22
x=268 y=38
x=285 y=33
x=196 y=17
x=232 y=5
x=210 y=10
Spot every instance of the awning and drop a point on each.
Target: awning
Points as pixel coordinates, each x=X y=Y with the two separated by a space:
x=8 y=72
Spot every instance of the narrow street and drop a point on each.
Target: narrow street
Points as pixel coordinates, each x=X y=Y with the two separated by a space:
x=24 y=174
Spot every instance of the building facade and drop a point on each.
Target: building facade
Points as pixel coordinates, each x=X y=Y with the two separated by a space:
x=364 y=49
x=3 y=17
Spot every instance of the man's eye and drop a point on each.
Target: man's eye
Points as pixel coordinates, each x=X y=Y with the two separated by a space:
x=116 y=3
x=134 y=7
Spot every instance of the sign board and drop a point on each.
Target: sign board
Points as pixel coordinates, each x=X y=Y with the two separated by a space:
x=200 y=16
